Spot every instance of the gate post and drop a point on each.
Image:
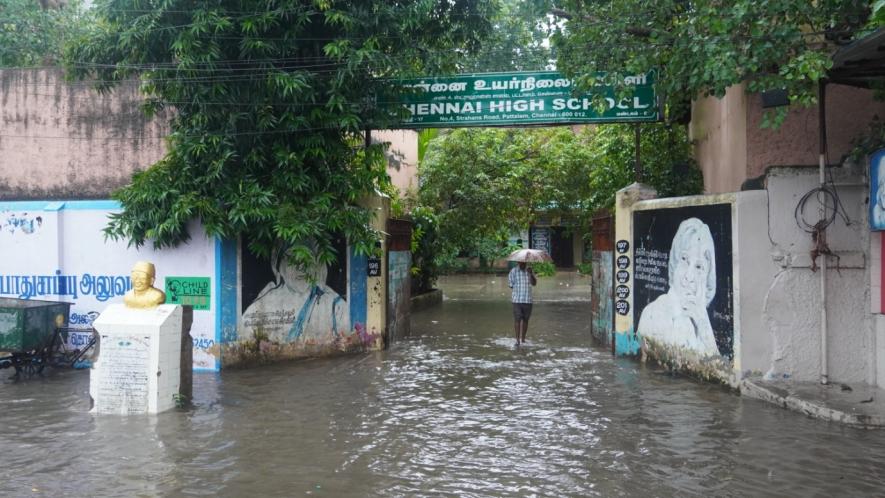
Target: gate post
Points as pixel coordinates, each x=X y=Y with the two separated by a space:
x=625 y=340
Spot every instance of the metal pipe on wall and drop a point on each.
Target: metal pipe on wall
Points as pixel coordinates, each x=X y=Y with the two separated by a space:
x=822 y=165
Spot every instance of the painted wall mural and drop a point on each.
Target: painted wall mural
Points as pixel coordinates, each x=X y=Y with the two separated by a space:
x=286 y=312
x=877 y=191
x=399 y=288
x=601 y=300
x=683 y=280
x=57 y=251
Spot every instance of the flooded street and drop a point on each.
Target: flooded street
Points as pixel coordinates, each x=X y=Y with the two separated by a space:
x=453 y=410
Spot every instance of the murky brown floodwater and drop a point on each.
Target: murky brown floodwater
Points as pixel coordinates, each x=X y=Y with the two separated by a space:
x=452 y=411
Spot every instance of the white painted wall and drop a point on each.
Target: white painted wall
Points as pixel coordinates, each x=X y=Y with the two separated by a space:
x=791 y=310
x=65 y=239
x=753 y=270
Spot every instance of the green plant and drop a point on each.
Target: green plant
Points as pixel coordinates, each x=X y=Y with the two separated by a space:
x=181 y=401
x=585 y=268
x=32 y=35
x=270 y=105
x=870 y=142
x=425 y=248
x=545 y=269
x=702 y=48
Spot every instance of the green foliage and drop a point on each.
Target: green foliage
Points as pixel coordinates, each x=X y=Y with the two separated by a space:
x=425 y=246
x=702 y=48
x=270 y=102
x=666 y=156
x=518 y=41
x=486 y=183
x=31 y=35
x=585 y=268
x=545 y=269
x=872 y=141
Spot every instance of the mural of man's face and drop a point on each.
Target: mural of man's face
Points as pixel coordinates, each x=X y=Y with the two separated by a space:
x=690 y=276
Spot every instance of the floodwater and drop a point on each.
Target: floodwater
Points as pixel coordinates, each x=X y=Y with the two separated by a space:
x=453 y=410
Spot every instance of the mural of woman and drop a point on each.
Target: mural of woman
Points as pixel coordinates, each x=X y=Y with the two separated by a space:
x=679 y=317
x=291 y=308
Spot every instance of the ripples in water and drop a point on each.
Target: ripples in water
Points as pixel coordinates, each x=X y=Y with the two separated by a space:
x=454 y=410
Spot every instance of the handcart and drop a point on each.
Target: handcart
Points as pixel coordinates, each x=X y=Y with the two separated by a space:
x=34 y=334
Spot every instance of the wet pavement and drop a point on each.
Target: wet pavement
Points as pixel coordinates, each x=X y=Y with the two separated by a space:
x=453 y=410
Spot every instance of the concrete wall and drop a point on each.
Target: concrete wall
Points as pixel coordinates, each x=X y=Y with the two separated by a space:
x=731 y=147
x=719 y=130
x=793 y=300
x=402 y=158
x=733 y=316
x=777 y=298
x=63 y=140
x=56 y=251
x=849 y=112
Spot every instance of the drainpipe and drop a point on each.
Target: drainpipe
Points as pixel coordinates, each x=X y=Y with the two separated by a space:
x=822 y=159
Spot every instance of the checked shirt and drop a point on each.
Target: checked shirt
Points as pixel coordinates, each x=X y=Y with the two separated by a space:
x=521 y=283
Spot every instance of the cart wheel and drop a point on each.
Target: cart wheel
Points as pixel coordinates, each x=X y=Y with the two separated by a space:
x=34 y=366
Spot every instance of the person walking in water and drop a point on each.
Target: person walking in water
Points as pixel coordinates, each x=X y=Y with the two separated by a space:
x=521 y=280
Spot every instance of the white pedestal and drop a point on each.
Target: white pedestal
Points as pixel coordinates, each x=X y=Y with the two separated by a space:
x=139 y=361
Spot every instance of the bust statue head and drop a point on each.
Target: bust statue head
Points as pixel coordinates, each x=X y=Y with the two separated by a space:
x=143 y=294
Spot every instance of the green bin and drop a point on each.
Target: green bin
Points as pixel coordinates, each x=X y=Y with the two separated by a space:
x=27 y=324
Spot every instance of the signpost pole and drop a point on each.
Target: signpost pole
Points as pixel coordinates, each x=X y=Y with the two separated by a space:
x=637 y=171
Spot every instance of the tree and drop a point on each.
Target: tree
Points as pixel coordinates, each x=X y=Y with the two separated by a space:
x=485 y=183
x=518 y=41
x=702 y=48
x=33 y=34
x=270 y=103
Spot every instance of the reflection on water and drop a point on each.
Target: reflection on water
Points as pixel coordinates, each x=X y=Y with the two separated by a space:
x=454 y=410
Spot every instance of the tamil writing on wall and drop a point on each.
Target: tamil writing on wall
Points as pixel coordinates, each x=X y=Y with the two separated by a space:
x=683 y=278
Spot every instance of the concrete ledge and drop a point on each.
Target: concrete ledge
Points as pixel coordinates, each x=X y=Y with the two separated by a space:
x=858 y=406
x=426 y=300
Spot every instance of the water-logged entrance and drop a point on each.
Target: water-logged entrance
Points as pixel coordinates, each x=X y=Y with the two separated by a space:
x=452 y=410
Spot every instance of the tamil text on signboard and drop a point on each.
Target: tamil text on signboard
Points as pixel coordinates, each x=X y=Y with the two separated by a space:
x=525 y=98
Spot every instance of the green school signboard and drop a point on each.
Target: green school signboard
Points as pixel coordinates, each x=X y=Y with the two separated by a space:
x=524 y=98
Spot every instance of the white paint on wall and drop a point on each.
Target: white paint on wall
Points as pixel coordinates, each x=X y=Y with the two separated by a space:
x=68 y=259
x=292 y=308
x=791 y=310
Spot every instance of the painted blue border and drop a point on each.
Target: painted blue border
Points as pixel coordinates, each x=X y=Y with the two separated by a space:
x=59 y=205
x=218 y=254
x=877 y=185
x=226 y=286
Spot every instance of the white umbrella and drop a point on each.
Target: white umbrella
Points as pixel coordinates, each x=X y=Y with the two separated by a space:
x=529 y=256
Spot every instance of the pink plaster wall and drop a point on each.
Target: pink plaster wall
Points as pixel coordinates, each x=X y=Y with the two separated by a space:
x=62 y=140
x=402 y=158
x=719 y=131
x=849 y=112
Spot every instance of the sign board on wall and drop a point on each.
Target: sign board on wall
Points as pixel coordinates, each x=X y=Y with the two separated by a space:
x=525 y=98
x=193 y=291
x=66 y=258
x=682 y=277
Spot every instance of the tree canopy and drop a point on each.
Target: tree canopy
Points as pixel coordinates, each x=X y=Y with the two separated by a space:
x=702 y=48
x=483 y=184
x=270 y=101
x=32 y=34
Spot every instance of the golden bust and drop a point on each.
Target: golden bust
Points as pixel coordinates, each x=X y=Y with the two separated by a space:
x=143 y=294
